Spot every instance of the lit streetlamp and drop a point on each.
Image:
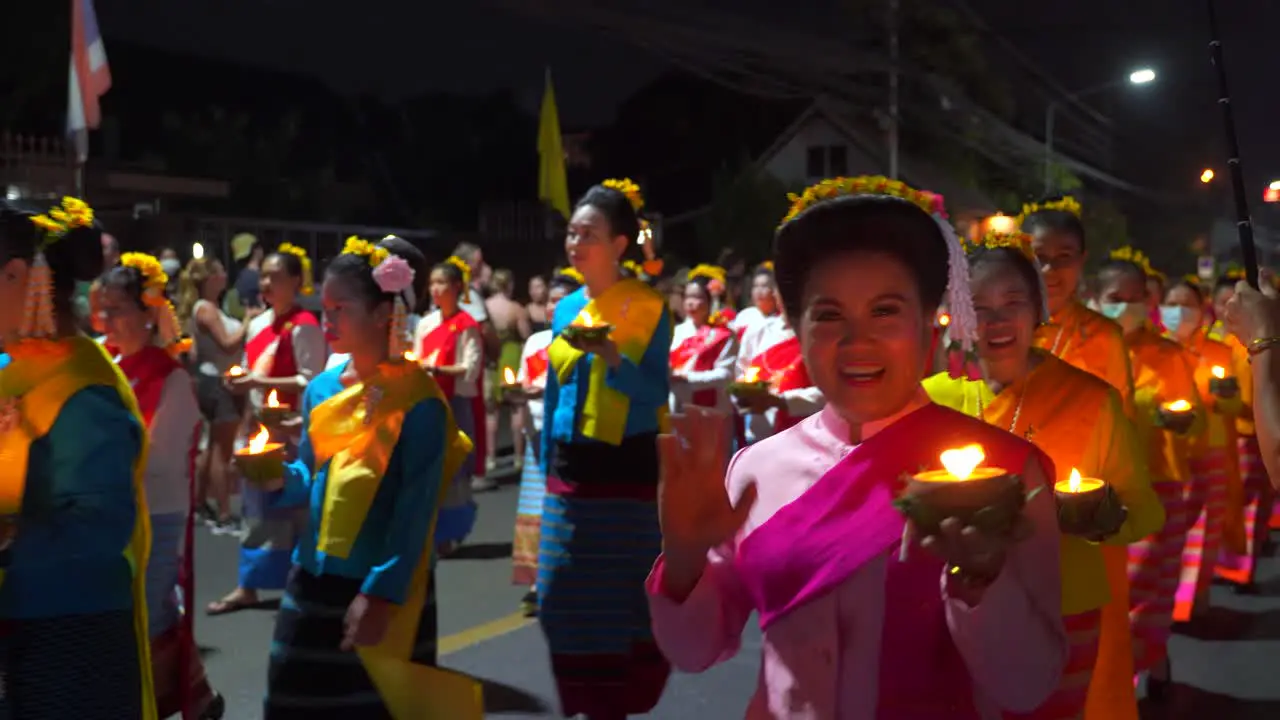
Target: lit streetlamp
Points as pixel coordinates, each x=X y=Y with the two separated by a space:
x=1206 y=177
x=1141 y=76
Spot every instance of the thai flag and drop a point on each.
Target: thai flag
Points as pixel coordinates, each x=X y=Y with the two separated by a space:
x=90 y=75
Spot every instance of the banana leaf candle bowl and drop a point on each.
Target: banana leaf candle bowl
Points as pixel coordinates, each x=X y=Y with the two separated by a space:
x=272 y=412
x=262 y=461
x=988 y=498
x=1221 y=385
x=1176 y=416
x=750 y=385
x=1087 y=507
x=585 y=329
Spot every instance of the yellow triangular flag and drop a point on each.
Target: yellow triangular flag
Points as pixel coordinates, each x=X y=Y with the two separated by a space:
x=419 y=692
x=553 y=184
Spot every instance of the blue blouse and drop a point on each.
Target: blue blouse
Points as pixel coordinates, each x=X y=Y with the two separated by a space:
x=646 y=384
x=394 y=534
x=77 y=513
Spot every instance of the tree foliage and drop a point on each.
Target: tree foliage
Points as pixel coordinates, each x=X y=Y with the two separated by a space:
x=744 y=212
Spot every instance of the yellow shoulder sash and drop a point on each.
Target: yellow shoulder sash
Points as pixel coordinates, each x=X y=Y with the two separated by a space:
x=634 y=310
x=40 y=384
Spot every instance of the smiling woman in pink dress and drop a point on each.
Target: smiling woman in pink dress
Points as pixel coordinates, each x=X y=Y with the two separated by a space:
x=955 y=626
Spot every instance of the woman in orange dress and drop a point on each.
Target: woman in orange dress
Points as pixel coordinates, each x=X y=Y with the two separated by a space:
x=1213 y=461
x=1162 y=375
x=1079 y=421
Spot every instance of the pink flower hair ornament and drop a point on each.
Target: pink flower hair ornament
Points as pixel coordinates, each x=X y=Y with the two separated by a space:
x=393 y=275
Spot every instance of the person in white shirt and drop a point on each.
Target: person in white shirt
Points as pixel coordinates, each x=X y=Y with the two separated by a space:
x=448 y=343
x=764 y=301
x=703 y=350
x=772 y=347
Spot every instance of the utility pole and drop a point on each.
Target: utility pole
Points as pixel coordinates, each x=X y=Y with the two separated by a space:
x=894 y=6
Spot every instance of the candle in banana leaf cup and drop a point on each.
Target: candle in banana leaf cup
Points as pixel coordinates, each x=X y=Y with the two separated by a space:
x=235 y=371
x=585 y=329
x=1087 y=507
x=273 y=412
x=750 y=384
x=1221 y=385
x=987 y=498
x=262 y=462
x=1176 y=416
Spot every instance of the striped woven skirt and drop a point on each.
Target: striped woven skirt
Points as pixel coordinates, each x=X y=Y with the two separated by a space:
x=308 y=677
x=599 y=541
x=180 y=679
x=81 y=667
x=1155 y=564
x=458 y=511
x=1206 y=507
x=1239 y=568
x=533 y=489
x=1068 y=701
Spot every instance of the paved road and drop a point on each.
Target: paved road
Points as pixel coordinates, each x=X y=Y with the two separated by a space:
x=1226 y=667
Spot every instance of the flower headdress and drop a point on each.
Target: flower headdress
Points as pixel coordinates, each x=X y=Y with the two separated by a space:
x=963 y=329
x=1130 y=254
x=38 y=320
x=1020 y=243
x=394 y=276
x=465 y=271
x=308 y=279
x=628 y=188
x=766 y=266
x=1067 y=204
x=709 y=272
x=1234 y=273
x=154 y=282
x=571 y=273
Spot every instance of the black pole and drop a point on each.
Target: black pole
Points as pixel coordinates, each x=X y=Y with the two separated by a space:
x=1244 y=224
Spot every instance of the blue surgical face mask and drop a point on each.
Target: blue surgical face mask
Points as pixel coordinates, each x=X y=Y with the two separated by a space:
x=1130 y=316
x=1178 y=317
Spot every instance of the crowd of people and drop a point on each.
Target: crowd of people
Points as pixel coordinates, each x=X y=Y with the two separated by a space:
x=694 y=448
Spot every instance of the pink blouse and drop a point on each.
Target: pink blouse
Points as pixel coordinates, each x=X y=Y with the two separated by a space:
x=822 y=657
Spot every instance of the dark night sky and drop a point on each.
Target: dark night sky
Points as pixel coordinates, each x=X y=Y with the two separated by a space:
x=399 y=48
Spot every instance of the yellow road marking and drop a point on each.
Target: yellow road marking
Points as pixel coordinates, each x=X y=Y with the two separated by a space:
x=483 y=633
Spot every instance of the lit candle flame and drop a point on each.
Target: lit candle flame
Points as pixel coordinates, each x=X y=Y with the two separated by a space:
x=1178 y=406
x=273 y=400
x=1219 y=372
x=508 y=376
x=752 y=375
x=235 y=371
x=961 y=462
x=585 y=320
x=258 y=442
x=944 y=320
x=1073 y=485
x=410 y=356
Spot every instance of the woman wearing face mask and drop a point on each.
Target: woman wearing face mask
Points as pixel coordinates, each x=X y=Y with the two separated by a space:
x=532 y=379
x=1079 y=421
x=861 y=617
x=704 y=349
x=1215 y=471
x=141 y=323
x=1162 y=375
x=1074 y=332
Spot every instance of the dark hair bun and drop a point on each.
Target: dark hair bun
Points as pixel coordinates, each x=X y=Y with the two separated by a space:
x=75 y=257
x=616 y=208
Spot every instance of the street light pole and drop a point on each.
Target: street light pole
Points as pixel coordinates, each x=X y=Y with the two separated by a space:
x=1137 y=77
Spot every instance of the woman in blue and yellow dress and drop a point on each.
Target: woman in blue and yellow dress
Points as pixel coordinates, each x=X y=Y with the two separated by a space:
x=362 y=566
x=73 y=511
x=604 y=404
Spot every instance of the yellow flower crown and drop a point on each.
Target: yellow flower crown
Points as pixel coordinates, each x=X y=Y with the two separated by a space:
x=308 y=281
x=863 y=185
x=766 y=266
x=571 y=273
x=1012 y=239
x=628 y=188
x=463 y=268
x=72 y=213
x=632 y=267
x=710 y=272
x=1067 y=204
x=360 y=247
x=1234 y=272
x=1131 y=254
x=154 y=278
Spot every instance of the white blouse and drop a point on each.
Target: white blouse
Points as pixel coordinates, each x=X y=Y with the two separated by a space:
x=467 y=354
x=309 y=350
x=717 y=378
x=536 y=342
x=173 y=442
x=800 y=403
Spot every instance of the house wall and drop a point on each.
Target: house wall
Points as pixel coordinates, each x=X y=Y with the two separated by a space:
x=790 y=164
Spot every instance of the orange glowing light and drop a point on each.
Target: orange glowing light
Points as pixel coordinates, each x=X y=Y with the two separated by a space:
x=1177 y=406
x=273 y=400
x=258 y=443
x=944 y=320
x=752 y=375
x=1219 y=372
x=1206 y=176
x=961 y=462
x=508 y=376
x=1076 y=484
x=235 y=371
x=584 y=320
x=1000 y=223
x=410 y=356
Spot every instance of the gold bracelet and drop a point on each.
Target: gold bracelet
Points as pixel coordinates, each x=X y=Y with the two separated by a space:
x=1259 y=345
